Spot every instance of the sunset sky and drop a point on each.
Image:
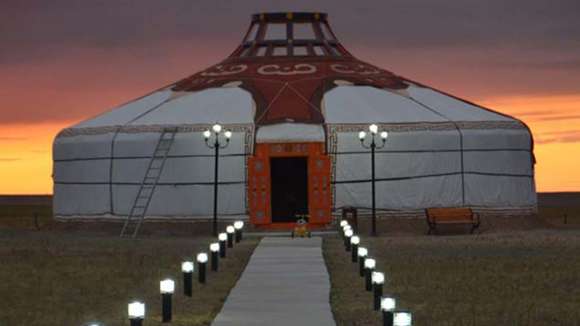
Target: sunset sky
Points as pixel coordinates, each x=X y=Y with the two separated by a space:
x=64 y=61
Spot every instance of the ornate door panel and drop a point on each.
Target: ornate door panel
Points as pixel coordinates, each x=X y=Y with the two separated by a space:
x=319 y=196
x=259 y=189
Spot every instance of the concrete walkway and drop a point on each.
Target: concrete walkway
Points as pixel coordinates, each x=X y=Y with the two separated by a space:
x=285 y=283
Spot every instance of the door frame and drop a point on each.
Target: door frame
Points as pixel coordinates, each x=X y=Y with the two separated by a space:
x=260 y=187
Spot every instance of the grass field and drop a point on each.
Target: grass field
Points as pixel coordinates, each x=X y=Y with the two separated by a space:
x=518 y=271
x=513 y=278
x=70 y=278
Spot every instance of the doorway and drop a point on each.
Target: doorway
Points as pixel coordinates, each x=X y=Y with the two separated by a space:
x=289 y=182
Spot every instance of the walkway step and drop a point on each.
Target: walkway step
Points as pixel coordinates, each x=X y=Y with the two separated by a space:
x=285 y=283
x=285 y=233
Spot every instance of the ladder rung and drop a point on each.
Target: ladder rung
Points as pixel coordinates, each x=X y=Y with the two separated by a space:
x=139 y=209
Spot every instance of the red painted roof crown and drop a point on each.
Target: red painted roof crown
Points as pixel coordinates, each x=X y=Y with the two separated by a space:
x=288 y=61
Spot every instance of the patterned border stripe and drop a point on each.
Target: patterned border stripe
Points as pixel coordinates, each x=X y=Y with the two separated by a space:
x=70 y=132
x=432 y=126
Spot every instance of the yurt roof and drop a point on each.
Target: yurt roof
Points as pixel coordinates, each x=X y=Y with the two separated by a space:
x=291 y=68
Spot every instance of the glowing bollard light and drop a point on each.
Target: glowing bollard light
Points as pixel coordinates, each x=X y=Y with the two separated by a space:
x=354 y=241
x=362 y=255
x=167 y=287
x=378 y=279
x=214 y=248
x=187 y=268
x=136 y=313
x=402 y=318
x=239 y=225
x=347 y=235
x=201 y=266
x=369 y=269
x=230 y=233
x=388 y=305
x=345 y=228
x=222 y=237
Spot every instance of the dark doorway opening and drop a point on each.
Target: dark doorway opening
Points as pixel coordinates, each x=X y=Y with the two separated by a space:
x=289 y=177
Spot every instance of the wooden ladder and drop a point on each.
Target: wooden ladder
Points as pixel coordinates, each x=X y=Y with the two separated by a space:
x=148 y=184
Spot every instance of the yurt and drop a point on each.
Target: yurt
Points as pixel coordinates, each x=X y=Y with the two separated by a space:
x=294 y=101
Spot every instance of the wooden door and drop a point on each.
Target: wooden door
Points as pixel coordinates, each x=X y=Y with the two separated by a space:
x=319 y=196
x=259 y=189
x=259 y=180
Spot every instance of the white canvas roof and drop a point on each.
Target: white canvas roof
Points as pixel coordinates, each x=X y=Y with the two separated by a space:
x=226 y=105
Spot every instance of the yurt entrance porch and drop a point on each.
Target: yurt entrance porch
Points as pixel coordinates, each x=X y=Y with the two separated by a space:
x=288 y=181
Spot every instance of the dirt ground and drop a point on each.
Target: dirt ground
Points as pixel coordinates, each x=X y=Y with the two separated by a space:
x=513 y=271
x=507 y=278
x=74 y=273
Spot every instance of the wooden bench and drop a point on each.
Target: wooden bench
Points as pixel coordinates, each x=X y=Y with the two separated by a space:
x=451 y=215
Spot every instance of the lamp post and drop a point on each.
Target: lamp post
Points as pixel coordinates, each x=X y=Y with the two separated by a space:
x=402 y=318
x=362 y=136
x=230 y=233
x=214 y=248
x=388 y=305
x=369 y=269
x=222 y=238
x=238 y=225
x=354 y=241
x=378 y=279
x=167 y=287
x=187 y=268
x=136 y=313
x=362 y=255
x=216 y=146
x=201 y=266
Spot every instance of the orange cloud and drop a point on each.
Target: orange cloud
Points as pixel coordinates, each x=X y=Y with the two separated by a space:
x=556 y=127
x=26 y=160
x=25 y=157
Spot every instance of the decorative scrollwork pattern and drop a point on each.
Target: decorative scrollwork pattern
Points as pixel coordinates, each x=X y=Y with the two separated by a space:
x=287 y=70
x=358 y=69
x=222 y=70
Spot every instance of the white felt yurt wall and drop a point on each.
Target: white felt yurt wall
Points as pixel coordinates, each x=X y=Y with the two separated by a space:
x=440 y=151
x=99 y=164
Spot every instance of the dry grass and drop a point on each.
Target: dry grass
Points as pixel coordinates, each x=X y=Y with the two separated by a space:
x=510 y=278
x=55 y=277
